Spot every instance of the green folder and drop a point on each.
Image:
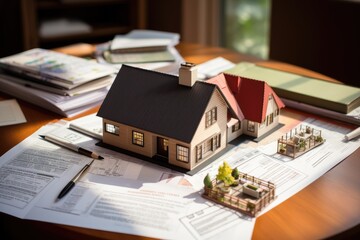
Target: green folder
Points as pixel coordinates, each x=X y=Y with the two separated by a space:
x=316 y=92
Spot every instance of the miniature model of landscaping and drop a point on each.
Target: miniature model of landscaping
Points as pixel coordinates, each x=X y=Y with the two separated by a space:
x=299 y=141
x=239 y=191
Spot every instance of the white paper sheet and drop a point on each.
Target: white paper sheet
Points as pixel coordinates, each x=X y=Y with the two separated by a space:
x=125 y=194
x=120 y=193
x=10 y=113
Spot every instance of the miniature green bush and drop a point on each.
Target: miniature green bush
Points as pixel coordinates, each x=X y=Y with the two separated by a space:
x=319 y=139
x=235 y=183
x=250 y=206
x=207 y=181
x=235 y=173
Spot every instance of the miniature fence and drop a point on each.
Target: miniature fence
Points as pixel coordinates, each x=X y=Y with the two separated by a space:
x=248 y=206
x=298 y=141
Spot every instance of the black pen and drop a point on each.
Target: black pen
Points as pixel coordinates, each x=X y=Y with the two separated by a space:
x=72 y=147
x=71 y=184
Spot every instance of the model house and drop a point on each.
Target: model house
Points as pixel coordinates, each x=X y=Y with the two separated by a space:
x=177 y=120
x=258 y=103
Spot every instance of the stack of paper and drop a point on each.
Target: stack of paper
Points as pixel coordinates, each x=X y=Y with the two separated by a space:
x=61 y=83
x=147 y=49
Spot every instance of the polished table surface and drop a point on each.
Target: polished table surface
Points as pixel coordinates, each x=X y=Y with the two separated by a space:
x=330 y=206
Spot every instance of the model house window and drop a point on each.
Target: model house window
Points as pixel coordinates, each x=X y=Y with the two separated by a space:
x=207 y=147
x=277 y=112
x=251 y=126
x=236 y=127
x=199 y=152
x=182 y=153
x=269 y=119
x=216 y=141
x=211 y=117
x=138 y=138
x=113 y=129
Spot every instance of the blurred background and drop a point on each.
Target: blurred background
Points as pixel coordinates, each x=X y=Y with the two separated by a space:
x=321 y=35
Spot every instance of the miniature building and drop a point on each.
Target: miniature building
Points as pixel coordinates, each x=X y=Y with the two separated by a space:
x=299 y=141
x=150 y=113
x=258 y=103
x=179 y=120
x=250 y=195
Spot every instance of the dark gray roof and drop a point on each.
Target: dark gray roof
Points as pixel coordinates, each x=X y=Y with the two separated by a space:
x=155 y=102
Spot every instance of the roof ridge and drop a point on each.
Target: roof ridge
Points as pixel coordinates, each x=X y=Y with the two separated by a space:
x=230 y=74
x=148 y=70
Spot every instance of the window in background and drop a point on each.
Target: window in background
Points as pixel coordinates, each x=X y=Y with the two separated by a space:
x=247 y=26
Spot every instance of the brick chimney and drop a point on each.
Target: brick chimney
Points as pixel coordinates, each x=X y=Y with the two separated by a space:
x=187 y=74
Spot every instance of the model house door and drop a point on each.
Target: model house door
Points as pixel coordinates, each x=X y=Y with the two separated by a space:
x=163 y=147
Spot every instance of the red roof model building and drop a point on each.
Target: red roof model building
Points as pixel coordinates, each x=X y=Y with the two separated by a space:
x=254 y=100
x=252 y=96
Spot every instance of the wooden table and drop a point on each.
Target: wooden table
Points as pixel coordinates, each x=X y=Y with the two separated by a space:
x=329 y=206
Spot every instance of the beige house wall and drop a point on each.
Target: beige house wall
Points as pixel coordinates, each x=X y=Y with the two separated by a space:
x=124 y=141
x=271 y=109
x=262 y=128
x=233 y=135
x=246 y=128
x=220 y=127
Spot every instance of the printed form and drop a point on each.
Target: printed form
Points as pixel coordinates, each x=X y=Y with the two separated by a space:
x=128 y=195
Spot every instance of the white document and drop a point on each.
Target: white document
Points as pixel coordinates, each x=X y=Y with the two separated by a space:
x=144 y=38
x=10 y=113
x=54 y=67
x=67 y=106
x=125 y=194
x=119 y=193
x=213 y=67
x=90 y=125
x=165 y=67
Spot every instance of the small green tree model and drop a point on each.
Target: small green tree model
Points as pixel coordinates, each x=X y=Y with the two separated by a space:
x=235 y=173
x=224 y=174
x=207 y=181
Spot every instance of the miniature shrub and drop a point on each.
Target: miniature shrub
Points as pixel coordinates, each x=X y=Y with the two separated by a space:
x=235 y=183
x=235 y=173
x=282 y=147
x=302 y=144
x=207 y=181
x=319 y=139
x=252 y=187
x=250 y=206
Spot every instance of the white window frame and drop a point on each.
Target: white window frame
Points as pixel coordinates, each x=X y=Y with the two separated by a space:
x=112 y=129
